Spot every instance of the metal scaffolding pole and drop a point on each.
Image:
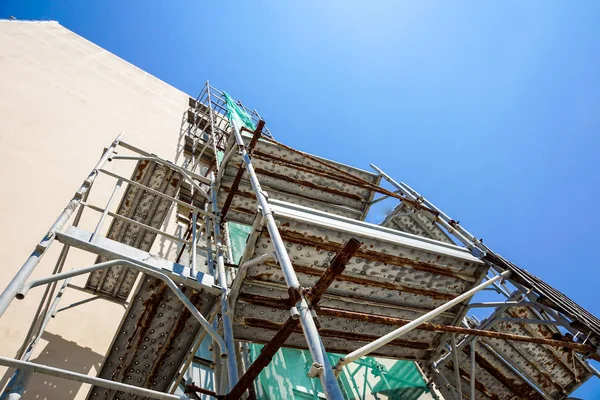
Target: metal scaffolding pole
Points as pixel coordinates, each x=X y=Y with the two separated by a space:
x=382 y=341
x=24 y=289
x=232 y=371
x=8 y=295
x=301 y=309
x=77 y=377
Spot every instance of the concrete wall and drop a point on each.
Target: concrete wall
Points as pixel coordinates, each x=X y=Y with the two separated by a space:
x=62 y=100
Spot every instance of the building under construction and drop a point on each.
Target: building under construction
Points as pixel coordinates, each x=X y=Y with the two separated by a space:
x=163 y=246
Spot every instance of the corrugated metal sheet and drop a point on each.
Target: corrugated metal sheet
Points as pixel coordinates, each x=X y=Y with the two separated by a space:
x=393 y=274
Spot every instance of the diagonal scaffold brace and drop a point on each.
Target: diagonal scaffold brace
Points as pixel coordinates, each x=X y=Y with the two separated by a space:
x=336 y=268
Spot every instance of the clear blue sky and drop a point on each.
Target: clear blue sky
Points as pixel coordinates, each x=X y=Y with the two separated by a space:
x=490 y=109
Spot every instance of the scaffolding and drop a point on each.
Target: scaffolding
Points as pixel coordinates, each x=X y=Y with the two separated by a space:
x=312 y=275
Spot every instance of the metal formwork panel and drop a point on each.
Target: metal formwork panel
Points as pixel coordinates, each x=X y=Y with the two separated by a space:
x=493 y=378
x=140 y=206
x=244 y=203
x=406 y=219
x=290 y=176
x=153 y=339
x=393 y=274
x=556 y=371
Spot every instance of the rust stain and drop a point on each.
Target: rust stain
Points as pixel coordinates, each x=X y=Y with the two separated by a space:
x=426 y=326
x=281 y=304
x=310 y=184
x=359 y=337
x=150 y=307
x=561 y=356
x=518 y=387
x=321 y=244
x=262 y=277
x=341 y=350
x=306 y=168
x=384 y=285
x=168 y=347
x=478 y=385
x=142 y=165
x=240 y=193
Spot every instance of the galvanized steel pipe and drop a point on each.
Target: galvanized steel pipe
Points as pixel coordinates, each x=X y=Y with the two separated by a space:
x=382 y=341
x=232 y=371
x=22 y=291
x=92 y=380
x=313 y=339
x=26 y=270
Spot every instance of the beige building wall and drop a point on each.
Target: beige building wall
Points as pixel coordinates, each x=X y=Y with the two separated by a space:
x=62 y=100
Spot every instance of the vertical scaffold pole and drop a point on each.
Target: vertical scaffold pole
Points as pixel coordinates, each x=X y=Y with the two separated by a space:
x=473 y=365
x=301 y=309
x=232 y=372
x=26 y=270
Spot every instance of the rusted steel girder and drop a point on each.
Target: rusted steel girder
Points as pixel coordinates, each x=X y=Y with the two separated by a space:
x=336 y=267
x=428 y=326
x=240 y=173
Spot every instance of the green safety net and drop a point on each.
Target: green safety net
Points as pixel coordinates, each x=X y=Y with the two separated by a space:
x=238 y=236
x=367 y=378
x=236 y=114
x=402 y=381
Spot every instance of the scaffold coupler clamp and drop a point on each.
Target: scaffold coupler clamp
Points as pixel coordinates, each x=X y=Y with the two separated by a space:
x=315 y=370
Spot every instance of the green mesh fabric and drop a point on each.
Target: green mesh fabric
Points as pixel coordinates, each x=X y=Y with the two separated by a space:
x=238 y=235
x=368 y=378
x=236 y=114
x=402 y=381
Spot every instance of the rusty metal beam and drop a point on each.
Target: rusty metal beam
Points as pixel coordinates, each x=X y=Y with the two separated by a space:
x=309 y=184
x=428 y=326
x=318 y=242
x=240 y=173
x=336 y=267
x=304 y=168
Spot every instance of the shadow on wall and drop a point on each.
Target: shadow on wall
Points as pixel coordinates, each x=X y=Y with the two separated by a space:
x=59 y=353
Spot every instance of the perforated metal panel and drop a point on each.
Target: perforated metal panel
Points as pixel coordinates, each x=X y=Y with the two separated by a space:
x=406 y=219
x=141 y=206
x=155 y=335
x=392 y=274
x=289 y=176
x=556 y=371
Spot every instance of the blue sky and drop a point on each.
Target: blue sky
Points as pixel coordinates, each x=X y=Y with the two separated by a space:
x=490 y=109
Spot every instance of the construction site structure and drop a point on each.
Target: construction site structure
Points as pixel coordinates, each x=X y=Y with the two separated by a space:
x=244 y=246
